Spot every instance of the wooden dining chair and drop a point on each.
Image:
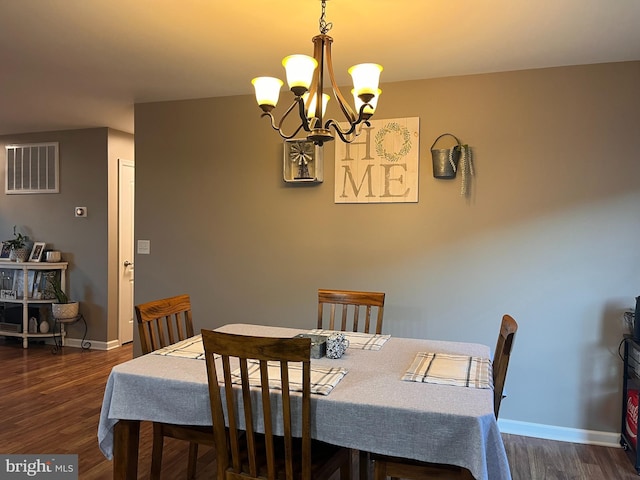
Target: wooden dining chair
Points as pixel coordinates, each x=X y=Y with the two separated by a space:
x=342 y=309
x=385 y=466
x=349 y=305
x=242 y=452
x=161 y=323
x=501 y=356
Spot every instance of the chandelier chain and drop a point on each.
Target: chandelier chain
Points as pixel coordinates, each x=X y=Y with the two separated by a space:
x=324 y=26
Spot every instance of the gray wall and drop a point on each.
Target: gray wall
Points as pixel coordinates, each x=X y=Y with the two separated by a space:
x=86 y=157
x=549 y=235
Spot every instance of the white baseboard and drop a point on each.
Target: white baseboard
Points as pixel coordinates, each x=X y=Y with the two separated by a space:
x=562 y=434
x=95 y=345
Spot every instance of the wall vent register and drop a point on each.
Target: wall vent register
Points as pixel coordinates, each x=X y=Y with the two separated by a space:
x=32 y=168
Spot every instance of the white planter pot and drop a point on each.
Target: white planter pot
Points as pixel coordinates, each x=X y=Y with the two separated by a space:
x=19 y=255
x=65 y=310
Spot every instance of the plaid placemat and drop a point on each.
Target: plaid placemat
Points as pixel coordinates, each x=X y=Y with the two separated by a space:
x=362 y=341
x=450 y=369
x=323 y=379
x=191 y=347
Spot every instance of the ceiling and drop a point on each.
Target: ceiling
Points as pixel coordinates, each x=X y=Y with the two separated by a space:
x=69 y=64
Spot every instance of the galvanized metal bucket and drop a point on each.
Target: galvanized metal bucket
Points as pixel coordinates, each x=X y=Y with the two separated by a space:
x=445 y=160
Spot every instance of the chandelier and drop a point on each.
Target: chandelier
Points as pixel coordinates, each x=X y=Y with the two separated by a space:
x=305 y=77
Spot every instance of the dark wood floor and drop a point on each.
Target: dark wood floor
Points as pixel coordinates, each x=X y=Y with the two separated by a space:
x=51 y=404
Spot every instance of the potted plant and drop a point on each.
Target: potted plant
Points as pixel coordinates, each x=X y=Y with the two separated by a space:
x=63 y=308
x=18 y=245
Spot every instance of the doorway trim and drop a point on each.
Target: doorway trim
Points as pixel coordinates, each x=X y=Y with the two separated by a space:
x=125 y=241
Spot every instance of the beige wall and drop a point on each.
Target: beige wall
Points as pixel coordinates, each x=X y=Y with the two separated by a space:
x=85 y=159
x=549 y=235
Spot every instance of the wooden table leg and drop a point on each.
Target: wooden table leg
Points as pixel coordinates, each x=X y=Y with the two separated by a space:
x=364 y=465
x=126 y=436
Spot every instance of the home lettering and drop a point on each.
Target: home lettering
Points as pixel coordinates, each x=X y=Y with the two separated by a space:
x=349 y=182
x=384 y=180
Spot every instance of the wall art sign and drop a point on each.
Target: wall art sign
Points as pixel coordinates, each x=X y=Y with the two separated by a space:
x=380 y=165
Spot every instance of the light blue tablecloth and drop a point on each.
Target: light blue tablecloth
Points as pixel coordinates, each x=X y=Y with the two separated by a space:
x=371 y=409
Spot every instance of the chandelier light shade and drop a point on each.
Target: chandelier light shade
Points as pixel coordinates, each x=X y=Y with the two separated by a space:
x=365 y=78
x=305 y=78
x=310 y=104
x=299 y=70
x=267 y=91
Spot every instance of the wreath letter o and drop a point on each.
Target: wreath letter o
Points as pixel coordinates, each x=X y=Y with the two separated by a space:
x=395 y=128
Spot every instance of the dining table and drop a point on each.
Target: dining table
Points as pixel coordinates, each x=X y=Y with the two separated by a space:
x=373 y=408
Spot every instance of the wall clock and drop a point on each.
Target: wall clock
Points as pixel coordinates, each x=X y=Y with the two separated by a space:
x=302 y=162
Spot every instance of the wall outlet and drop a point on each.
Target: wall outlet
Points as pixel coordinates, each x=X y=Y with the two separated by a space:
x=80 y=212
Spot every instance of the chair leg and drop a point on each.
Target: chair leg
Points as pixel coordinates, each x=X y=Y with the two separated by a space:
x=346 y=472
x=379 y=471
x=156 y=452
x=193 y=460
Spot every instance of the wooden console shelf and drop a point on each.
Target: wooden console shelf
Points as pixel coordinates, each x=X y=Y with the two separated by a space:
x=27 y=300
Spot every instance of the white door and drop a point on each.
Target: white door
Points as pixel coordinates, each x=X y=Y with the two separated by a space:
x=126 y=188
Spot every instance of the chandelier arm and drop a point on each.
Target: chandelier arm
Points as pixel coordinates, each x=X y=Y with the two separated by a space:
x=304 y=121
x=344 y=105
x=278 y=126
x=342 y=133
x=363 y=118
x=318 y=45
x=351 y=134
x=287 y=137
x=279 y=130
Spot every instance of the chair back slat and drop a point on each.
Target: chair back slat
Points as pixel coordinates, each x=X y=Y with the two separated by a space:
x=163 y=322
x=349 y=303
x=233 y=426
x=286 y=418
x=259 y=447
x=367 y=320
x=266 y=418
x=501 y=357
x=345 y=308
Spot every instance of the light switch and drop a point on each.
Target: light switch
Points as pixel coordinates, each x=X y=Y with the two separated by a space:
x=144 y=247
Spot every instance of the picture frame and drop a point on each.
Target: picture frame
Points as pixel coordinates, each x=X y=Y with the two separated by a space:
x=6 y=279
x=36 y=251
x=45 y=285
x=36 y=286
x=18 y=283
x=7 y=294
x=19 y=286
x=303 y=162
x=5 y=251
x=6 y=285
